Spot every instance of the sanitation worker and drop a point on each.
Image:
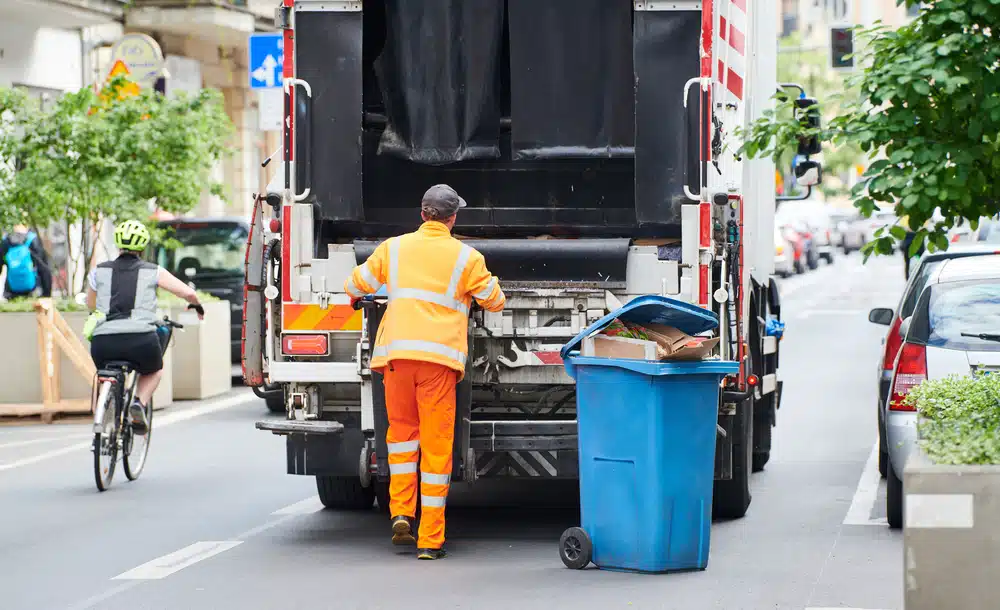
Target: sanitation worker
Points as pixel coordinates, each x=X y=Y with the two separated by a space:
x=421 y=348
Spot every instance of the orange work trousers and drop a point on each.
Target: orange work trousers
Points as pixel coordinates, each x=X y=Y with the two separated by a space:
x=420 y=400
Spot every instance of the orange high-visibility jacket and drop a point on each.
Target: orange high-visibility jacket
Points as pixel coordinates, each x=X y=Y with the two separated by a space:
x=430 y=278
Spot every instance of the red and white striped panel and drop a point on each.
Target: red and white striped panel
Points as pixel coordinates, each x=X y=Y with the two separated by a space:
x=731 y=48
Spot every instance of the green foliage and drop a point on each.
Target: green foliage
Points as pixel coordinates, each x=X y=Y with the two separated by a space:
x=959 y=419
x=28 y=305
x=928 y=116
x=107 y=155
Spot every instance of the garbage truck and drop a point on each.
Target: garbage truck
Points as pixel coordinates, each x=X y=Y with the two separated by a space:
x=595 y=142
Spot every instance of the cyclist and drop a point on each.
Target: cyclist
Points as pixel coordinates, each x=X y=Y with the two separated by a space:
x=124 y=291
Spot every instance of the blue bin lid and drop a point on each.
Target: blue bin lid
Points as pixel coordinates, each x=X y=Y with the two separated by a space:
x=656 y=368
x=651 y=309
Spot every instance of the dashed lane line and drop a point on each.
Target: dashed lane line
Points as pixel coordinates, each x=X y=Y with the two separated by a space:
x=164 y=566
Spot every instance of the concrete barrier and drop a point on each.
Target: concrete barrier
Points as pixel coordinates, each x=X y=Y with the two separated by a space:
x=951 y=536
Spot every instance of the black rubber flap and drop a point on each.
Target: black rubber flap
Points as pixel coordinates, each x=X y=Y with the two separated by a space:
x=437 y=74
x=572 y=90
x=328 y=147
x=538 y=260
x=666 y=47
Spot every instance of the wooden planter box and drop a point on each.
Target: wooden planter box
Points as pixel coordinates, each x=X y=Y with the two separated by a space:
x=951 y=537
x=202 y=365
x=20 y=380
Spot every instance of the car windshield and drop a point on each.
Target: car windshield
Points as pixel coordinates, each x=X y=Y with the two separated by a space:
x=204 y=250
x=956 y=309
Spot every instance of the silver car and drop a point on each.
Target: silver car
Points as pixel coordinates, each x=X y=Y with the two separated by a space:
x=954 y=329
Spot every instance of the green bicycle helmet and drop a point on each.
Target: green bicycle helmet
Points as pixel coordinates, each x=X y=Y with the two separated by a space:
x=131 y=235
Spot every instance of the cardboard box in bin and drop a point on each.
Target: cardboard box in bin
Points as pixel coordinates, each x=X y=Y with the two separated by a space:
x=603 y=346
x=679 y=345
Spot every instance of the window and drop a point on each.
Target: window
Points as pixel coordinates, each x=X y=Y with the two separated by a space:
x=913 y=10
x=206 y=250
x=970 y=307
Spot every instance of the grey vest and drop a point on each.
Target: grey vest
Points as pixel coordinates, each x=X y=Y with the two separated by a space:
x=126 y=295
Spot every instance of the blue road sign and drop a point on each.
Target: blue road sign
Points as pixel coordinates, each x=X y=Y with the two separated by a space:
x=266 y=57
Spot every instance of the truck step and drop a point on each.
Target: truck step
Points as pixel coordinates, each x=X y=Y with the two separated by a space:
x=286 y=427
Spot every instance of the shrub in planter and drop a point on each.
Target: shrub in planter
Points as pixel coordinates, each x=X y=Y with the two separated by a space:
x=952 y=501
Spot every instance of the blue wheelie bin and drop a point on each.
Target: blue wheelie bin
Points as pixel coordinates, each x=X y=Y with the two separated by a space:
x=646 y=433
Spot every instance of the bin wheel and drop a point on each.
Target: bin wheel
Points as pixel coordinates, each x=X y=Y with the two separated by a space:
x=575 y=548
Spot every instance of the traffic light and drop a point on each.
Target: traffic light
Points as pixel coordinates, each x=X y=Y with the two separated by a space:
x=841 y=46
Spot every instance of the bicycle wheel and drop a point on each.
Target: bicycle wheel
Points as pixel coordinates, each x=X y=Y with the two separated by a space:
x=136 y=446
x=106 y=444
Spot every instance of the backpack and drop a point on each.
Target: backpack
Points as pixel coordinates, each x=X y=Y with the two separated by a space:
x=21 y=276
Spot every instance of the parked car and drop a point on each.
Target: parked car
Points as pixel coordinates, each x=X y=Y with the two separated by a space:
x=877 y=220
x=209 y=256
x=954 y=329
x=822 y=231
x=850 y=230
x=989 y=232
x=923 y=272
x=784 y=256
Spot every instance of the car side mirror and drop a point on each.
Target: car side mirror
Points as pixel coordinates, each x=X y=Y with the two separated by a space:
x=808 y=112
x=809 y=173
x=881 y=315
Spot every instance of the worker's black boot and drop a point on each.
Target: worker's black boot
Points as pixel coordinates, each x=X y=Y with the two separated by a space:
x=431 y=553
x=402 y=530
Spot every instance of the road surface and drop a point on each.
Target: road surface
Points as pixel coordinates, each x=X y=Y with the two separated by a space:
x=215 y=523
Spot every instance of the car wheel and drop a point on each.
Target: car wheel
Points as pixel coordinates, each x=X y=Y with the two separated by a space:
x=893 y=499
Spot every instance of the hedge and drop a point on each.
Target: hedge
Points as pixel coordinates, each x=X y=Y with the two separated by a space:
x=959 y=419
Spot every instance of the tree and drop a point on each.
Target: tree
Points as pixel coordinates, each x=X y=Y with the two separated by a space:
x=106 y=155
x=927 y=115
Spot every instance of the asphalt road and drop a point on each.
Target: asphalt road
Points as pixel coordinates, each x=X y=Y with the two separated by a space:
x=215 y=523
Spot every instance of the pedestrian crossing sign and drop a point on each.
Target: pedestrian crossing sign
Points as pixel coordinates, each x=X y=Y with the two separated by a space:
x=120 y=69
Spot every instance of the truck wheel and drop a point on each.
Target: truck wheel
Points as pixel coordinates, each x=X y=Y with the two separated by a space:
x=731 y=498
x=762 y=434
x=382 y=495
x=344 y=493
x=275 y=403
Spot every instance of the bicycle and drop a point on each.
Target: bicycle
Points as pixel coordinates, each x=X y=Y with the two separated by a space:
x=113 y=431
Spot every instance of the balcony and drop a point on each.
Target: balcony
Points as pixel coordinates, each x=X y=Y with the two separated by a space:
x=67 y=14
x=221 y=22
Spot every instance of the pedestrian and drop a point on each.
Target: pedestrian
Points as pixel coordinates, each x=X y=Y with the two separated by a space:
x=421 y=348
x=27 y=264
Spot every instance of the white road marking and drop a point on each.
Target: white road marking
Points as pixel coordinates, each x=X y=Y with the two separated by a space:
x=836 y=608
x=163 y=421
x=38 y=441
x=305 y=507
x=164 y=566
x=866 y=493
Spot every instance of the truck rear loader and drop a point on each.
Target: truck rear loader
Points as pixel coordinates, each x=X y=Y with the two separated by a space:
x=594 y=143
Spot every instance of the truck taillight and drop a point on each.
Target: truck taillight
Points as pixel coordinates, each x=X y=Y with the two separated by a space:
x=892 y=343
x=911 y=371
x=305 y=345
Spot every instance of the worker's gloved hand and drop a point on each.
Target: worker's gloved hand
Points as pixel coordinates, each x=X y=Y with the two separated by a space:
x=355 y=303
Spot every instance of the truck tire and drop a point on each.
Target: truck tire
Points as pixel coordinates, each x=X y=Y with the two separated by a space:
x=344 y=493
x=762 y=418
x=276 y=403
x=731 y=498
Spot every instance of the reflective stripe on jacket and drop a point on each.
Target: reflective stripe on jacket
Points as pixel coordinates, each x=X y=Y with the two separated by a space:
x=430 y=278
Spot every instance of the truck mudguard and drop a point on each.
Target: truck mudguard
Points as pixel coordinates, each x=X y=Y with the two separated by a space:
x=253 y=300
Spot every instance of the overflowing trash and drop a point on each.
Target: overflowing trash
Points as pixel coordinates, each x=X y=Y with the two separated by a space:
x=630 y=340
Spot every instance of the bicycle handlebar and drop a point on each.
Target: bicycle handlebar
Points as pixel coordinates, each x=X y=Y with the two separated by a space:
x=168 y=322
